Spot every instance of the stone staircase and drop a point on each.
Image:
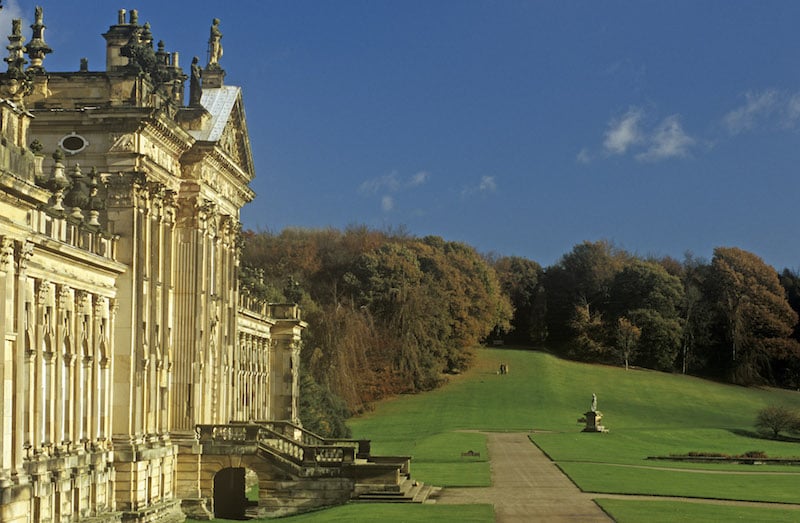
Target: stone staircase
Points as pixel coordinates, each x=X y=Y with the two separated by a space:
x=300 y=471
x=406 y=491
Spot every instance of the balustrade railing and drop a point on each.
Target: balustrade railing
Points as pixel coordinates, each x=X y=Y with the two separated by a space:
x=287 y=440
x=228 y=433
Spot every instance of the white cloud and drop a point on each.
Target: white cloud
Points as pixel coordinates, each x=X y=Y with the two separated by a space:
x=667 y=141
x=793 y=110
x=584 y=157
x=757 y=108
x=623 y=132
x=419 y=179
x=487 y=184
x=386 y=182
x=391 y=184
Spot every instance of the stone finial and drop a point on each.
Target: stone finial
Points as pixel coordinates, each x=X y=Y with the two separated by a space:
x=134 y=17
x=84 y=65
x=162 y=56
x=16 y=51
x=36 y=146
x=57 y=182
x=121 y=17
x=37 y=48
x=95 y=203
x=147 y=35
x=78 y=195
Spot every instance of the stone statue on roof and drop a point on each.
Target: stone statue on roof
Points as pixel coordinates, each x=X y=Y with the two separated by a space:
x=214 y=44
x=195 y=87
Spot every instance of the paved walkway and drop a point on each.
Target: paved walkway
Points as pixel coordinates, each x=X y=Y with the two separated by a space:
x=526 y=486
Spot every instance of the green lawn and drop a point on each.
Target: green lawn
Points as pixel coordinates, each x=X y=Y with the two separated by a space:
x=648 y=413
x=634 y=511
x=369 y=512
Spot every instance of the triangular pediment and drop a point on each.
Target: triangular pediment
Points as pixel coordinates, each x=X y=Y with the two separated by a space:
x=227 y=126
x=235 y=141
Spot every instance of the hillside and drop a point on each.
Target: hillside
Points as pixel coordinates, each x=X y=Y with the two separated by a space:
x=545 y=393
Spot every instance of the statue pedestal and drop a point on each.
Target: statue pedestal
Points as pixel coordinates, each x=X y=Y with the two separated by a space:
x=592 y=420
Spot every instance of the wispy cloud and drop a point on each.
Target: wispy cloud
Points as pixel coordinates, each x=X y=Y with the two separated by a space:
x=623 y=132
x=390 y=184
x=758 y=108
x=387 y=182
x=487 y=184
x=630 y=133
x=419 y=178
x=667 y=141
x=793 y=108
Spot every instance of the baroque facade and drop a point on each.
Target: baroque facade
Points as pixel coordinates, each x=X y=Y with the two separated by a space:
x=124 y=333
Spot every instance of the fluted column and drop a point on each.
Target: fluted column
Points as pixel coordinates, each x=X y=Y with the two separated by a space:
x=9 y=335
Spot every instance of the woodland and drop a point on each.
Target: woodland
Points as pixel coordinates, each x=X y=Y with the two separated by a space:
x=390 y=313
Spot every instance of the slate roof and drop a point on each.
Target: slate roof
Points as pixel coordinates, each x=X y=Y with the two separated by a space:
x=219 y=102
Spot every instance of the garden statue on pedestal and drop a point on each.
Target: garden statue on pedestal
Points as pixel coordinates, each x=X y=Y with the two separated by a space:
x=592 y=418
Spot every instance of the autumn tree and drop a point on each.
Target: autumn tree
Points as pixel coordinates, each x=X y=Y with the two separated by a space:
x=590 y=341
x=628 y=336
x=755 y=318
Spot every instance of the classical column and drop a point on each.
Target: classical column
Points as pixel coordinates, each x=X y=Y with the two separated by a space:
x=39 y=366
x=88 y=379
x=9 y=337
x=188 y=331
x=100 y=367
x=143 y=379
x=237 y=380
x=168 y=307
x=108 y=410
x=78 y=373
x=64 y=318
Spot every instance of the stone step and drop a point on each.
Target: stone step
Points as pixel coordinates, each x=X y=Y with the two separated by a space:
x=410 y=492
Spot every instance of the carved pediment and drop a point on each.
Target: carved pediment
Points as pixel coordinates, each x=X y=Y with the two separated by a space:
x=227 y=126
x=234 y=140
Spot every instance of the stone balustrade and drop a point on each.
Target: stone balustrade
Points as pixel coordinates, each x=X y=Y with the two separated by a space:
x=287 y=440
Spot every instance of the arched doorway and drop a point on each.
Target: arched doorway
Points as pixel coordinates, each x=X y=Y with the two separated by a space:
x=230 y=494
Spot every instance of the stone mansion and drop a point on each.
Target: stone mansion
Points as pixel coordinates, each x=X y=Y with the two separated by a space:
x=138 y=384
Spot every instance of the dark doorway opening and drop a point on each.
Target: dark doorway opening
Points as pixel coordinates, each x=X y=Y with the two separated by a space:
x=230 y=497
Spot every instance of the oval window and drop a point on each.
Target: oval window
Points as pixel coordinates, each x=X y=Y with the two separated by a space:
x=73 y=143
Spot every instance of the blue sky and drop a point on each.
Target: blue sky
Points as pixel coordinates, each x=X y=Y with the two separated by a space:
x=519 y=127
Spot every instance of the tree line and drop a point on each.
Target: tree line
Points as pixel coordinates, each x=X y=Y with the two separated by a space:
x=733 y=318
x=388 y=313
x=391 y=313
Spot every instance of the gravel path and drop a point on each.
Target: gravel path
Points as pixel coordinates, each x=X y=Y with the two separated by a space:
x=526 y=486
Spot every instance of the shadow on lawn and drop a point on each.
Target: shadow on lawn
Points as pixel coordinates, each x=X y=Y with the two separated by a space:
x=759 y=435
